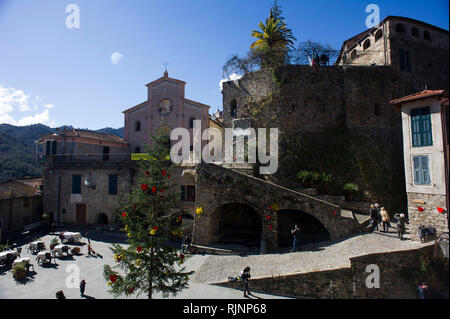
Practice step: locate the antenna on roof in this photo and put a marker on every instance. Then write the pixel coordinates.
(426, 87)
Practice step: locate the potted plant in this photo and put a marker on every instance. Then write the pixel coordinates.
(19, 271)
(54, 243)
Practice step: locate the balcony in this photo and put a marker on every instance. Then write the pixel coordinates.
(86, 159)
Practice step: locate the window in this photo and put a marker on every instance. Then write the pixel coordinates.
(106, 153)
(191, 122)
(421, 171)
(137, 126)
(421, 127)
(50, 148)
(366, 44)
(353, 55)
(378, 35)
(426, 35)
(76, 184)
(405, 60)
(400, 28)
(415, 32)
(53, 148)
(187, 193)
(137, 149)
(112, 188)
(233, 108)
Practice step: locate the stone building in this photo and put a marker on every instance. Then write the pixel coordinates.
(425, 149)
(86, 173)
(402, 43)
(20, 205)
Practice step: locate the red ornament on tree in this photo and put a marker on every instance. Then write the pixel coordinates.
(268, 217)
(168, 175)
(334, 212)
(130, 290)
(147, 173)
(124, 215)
(154, 189)
(164, 172)
(440, 210)
(139, 249)
(270, 226)
(144, 187)
(113, 278)
(162, 190)
(420, 209)
(181, 256)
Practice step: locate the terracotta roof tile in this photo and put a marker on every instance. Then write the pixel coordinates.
(86, 134)
(419, 95)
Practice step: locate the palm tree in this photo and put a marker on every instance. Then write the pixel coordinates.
(274, 35)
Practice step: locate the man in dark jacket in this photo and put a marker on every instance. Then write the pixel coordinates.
(82, 287)
(374, 216)
(245, 276)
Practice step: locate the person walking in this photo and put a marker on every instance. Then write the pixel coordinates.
(245, 276)
(294, 233)
(401, 220)
(82, 287)
(374, 217)
(386, 219)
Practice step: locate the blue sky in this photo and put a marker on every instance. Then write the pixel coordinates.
(56, 75)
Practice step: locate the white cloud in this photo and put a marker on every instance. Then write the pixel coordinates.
(232, 77)
(116, 57)
(14, 100)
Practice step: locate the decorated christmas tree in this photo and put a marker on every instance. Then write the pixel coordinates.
(149, 264)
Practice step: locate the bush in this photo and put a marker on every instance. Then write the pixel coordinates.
(19, 271)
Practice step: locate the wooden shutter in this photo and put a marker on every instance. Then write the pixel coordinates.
(421, 170)
(421, 127)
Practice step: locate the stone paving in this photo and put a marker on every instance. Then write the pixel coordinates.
(312, 257)
(45, 281)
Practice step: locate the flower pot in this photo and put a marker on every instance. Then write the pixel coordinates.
(19, 274)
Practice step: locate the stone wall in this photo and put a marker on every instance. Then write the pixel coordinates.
(400, 274)
(429, 216)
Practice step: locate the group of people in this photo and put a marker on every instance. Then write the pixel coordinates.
(380, 215)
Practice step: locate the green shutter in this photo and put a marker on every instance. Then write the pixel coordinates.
(421, 170)
(421, 127)
(183, 193)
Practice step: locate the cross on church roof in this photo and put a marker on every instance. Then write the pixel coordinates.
(165, 71)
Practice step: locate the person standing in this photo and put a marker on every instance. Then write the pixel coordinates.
(294, 233)
(186, 244)
(245, 276)
(386, 219)
(400, 225)
(423, 289)
(82, 287)
(374, 216)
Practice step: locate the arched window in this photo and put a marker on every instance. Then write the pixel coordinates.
(400, 28)
(137, 126)
(366, 44)
(378, 35)
(415, 32)
(353, 55)
(191, 122)
(233, 108)
(426, 35)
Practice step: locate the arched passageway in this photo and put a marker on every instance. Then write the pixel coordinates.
(237, 224)
(311, 229)
(102, 219)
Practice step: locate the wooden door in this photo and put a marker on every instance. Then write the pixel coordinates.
(80, 214)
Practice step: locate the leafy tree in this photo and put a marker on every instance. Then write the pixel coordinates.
(149, 264)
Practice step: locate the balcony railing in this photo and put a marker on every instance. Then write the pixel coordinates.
(72, 158)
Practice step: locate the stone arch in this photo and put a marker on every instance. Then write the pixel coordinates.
(311, 228)
(237, 224)
(102, 219)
